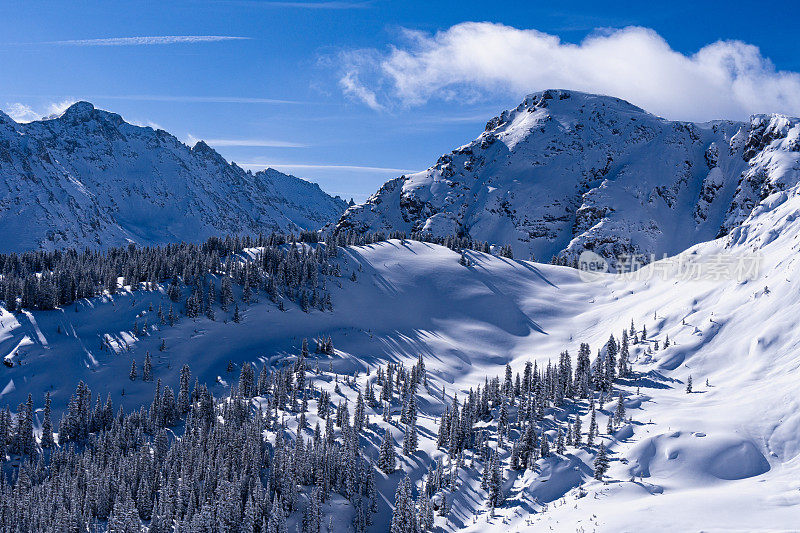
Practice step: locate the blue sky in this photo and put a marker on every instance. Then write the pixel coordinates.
(350, 93)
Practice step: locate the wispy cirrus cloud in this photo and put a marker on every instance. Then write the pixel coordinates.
(476, 61)
(174, 98)
(334, 4)
(148, 40)
(269, 143)
(199, 99)
(307, 166)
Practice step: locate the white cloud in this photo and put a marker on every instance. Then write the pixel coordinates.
(477, 60)
(191, 139)
(57, 108)
(24, 113)
(21, 112)
(148, 40)
(351, 85)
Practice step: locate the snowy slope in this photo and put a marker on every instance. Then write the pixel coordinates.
(88, 178)
(567, 171)
(725, 457)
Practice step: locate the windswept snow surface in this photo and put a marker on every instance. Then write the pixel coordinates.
(726, 457)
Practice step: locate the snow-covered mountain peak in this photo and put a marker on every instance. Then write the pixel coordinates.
(567, 171)
(89, 178)
(79, 111)
(562, 105)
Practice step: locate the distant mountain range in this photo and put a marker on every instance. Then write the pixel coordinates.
(567, 171)
(88, 178)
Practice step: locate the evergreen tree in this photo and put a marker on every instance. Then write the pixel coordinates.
(624, 356)
(184, 399)
(544, 449)
(247, 381)
(600, 463)
(689, 385)
(403, 516)
(424, 512)
(387, 458)
(560, 441)
(619, 413)
(132, 375)
(410, 439)
(263, 381)
(610, 363)
(494, 490)
(24, 440)
(576, 431)
(147, 369)
(47, 425)
(359, 416)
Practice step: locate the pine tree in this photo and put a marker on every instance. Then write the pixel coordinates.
(619, 413)
(494, 489)
(5, 428)
(610, 363)
(247, 381)
(689, 385)
(184, 398)
(263, 381)
(424, 512)
(24, 440)
(624, 356)
(47, 425)
(237, 317)
(277, 517)
(359, 416)
(387, 458)
(403, 516)
(147, 369)
(410, 439)
(132, 375)
(560, 441)
(592, 427)
(576, 431)
(544, 449)
(600, 463)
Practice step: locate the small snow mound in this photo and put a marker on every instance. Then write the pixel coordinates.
(739, 461)
(684, 458)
